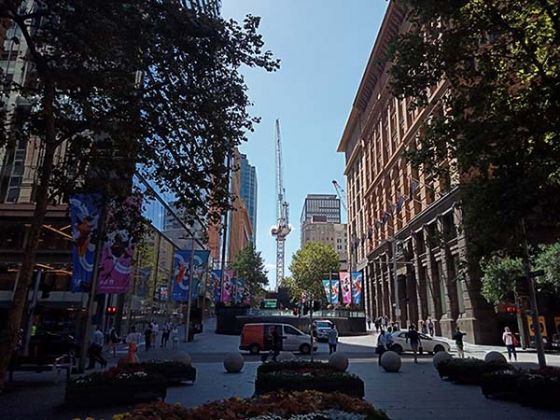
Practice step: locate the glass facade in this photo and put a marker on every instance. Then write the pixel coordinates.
(249, 191)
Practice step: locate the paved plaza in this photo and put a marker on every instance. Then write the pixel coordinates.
(416, 392)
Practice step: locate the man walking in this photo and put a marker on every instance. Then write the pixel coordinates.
(332, 336)
(414, 338)
(96, 348)
(458, 337)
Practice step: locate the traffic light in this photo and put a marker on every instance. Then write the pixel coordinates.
(111, 310)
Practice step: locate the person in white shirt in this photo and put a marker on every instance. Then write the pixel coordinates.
(509, 340)
(96, 348)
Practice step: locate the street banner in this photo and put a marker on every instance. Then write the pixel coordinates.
(216, 277)
(357, 286)
(542, 325)
(335, 291)
(85, 213)
(227, 286)
(241, 292)
(327, 287)
(346, 284)
(142, 286)
(181, 273)
(118, 247)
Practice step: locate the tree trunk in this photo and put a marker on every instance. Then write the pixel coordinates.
(9, 339)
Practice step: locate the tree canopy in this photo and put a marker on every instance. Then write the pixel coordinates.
(114, 87)
(310, 265)
(249, 266)
(498, 125)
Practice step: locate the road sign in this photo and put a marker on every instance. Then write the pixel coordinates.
(536, 273)
(270, 303)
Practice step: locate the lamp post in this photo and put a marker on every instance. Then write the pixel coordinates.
(190, 292)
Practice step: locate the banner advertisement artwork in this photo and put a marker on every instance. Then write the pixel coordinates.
(216, 277)
(357, 285)
(181, 272)
(346, 284)
(227, 286)
(335, 291)
(118, 248)
(143, 276)
(331, 291)
(327, 287)
(85, 212)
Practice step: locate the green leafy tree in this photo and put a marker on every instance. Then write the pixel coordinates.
(249, 266)
(310, 265)
(499, 125)
(548, 259)
(117, 86)
(499, 277)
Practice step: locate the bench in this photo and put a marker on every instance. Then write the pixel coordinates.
(42, 364)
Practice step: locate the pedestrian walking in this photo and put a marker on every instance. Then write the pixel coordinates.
(414, 338)
(423, 327)
(381, 345)
(389, 340)
(132, 339)
(95, 350)
(155, 332)
(148, 337)
(458, 337)
(332, 336)
(377, 324)
(368, 322)
(165, 335)
(175, 337)
(431, 327)
(114, 340)
(510, 341)
(276, 342)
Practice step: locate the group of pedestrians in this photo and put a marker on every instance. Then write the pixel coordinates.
(169, 330)
(385, 342)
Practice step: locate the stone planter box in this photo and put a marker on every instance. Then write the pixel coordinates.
(304, 376)
(114, 394)
(175, 374)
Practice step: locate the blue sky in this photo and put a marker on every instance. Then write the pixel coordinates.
(324, 46)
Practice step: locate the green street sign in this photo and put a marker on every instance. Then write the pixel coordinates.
(270, 303)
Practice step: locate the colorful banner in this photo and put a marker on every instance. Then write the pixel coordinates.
(357, 285)
(346, 284)
(85, 212)
(327, 287)
(331, 291)
(216, 277)
(142, 286)
(227, 286)
(181, 272)
(118, 248)
(335, 291)
(241, 292)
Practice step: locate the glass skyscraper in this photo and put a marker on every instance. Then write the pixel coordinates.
(249, 191)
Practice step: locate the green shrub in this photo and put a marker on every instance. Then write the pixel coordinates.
(470, 370)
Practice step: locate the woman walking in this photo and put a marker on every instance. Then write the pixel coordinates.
(510, 341)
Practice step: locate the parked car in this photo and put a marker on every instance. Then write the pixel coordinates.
(427, 344)
(321, 329)
(258, 337)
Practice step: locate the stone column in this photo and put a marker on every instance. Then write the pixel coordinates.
(448, 277)
(422, 298)
(479, 319)
(387, 309)
(379, 280)
(433, 282)
(411, 292)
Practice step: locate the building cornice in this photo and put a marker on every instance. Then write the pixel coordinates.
(375, 67)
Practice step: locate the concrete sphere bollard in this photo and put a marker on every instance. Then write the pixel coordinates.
(391, 361)
(182, 357)
(233, 362)
(339, 361)
(441, 357)
(495, 357)
(285, 356)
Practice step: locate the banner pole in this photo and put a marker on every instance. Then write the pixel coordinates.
(189, 294)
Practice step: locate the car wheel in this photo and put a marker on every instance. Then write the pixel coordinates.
(305, 349)
(397, 348)
(438, 348)
(254, 349)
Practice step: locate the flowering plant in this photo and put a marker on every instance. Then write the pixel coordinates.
(115, 376)
(305, 405)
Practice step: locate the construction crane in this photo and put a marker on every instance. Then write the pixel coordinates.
(282, 229)
(340, 193)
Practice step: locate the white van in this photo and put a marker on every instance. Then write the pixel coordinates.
(258, 337)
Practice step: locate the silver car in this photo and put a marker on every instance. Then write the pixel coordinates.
(322, 328)
(428, 344)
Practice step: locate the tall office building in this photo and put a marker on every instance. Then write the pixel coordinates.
(249, 191)
(211, 7)
(334, 234)
(321, 208)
